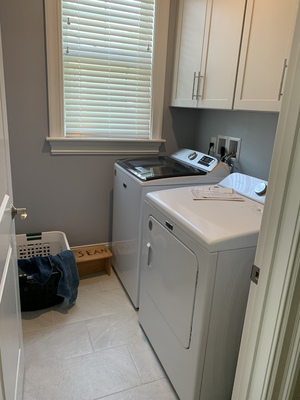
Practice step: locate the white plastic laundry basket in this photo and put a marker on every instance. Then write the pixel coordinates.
(32, 295)
(41, 244)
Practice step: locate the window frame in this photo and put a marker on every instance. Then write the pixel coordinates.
(59, 143)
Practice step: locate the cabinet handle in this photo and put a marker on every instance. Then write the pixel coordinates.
(200, 77)
(282, 79)
(197, 95)
(193, 90)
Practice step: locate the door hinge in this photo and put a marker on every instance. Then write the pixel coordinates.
(255, 274)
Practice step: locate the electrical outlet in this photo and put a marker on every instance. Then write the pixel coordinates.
(214, 141)
(234, 146)
(221, 142)
(231, 144)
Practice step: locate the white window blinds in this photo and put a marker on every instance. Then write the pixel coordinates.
(107, 68)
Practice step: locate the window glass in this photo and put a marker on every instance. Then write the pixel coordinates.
(106, 67)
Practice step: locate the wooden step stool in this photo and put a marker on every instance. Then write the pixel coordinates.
(92, 259)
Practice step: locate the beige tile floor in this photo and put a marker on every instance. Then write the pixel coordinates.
(95, 350)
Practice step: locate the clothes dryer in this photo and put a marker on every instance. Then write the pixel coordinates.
(198, 251)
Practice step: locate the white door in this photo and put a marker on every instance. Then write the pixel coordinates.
(270, 355)
(11, 345)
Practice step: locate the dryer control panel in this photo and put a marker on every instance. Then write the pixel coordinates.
(196, 159)
(248, 186)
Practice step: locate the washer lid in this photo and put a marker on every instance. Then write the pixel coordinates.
(150, 168)
(216, 224)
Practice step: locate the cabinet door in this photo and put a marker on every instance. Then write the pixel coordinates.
(221, 54)
(265, 49)
(208, 43)
(189, 43)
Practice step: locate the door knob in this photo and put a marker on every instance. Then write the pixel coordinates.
(18, 211)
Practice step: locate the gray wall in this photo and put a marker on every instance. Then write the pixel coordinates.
(256, 129)
(74, 193)
(68, 193)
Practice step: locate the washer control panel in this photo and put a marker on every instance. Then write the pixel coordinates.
(196, 159)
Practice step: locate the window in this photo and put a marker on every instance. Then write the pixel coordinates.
(106, 65)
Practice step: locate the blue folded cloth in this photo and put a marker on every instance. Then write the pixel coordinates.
(69, 281)
(41, 268)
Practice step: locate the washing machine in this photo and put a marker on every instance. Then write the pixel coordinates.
(133, 179)
(197, 255)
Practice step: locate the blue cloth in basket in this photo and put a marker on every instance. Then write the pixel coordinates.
(41, 268)
(69, 281)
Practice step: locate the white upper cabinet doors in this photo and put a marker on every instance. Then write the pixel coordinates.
(189, 45)
(232, 54)
(207, 50)
(264, 54)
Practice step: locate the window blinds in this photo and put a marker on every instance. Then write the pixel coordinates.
(107, 67)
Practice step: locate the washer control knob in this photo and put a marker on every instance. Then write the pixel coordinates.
(260, 189)
(192, 156)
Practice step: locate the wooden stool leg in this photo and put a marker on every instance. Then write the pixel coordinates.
(107, 267)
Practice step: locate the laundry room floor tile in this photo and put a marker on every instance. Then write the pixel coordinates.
(96, 350)
(158, 390)
(81, 378)
(114, 329)
(61, 342)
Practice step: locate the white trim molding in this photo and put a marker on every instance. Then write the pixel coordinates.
(62, 145)
(59, 142)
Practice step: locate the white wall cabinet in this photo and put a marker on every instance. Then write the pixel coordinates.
(231, 57)
(264, 54)
(207, 51)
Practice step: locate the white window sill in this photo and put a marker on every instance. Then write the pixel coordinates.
(77, 146)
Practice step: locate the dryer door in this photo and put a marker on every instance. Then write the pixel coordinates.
(171, 279)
